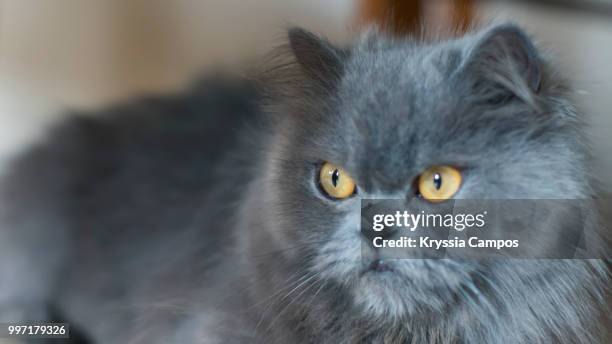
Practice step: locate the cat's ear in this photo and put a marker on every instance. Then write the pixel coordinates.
(318, 58)
(503, 62)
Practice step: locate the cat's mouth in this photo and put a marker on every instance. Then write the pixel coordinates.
(378, 266)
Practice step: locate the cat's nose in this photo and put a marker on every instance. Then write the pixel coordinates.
(368, 208)
(385, 233)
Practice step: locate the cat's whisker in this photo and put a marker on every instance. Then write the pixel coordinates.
(304, 290)
(303, 279)
(294, 280)
(314, 296)
(476, 298)
(313, 275)
(304, 244)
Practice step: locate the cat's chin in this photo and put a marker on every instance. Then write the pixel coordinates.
(405, 287)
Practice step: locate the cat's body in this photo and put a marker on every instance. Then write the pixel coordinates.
(143, 198)
(197, 219)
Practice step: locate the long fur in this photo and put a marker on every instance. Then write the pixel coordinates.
(197, 218)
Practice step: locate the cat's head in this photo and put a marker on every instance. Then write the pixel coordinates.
(382, 112)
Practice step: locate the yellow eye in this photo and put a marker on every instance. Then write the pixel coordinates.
(335, 181)
(439, 183)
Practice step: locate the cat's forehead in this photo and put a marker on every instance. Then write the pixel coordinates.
(390, 78)
(403, 61)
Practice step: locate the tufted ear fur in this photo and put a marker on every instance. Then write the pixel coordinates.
(318, 58)
(504, 63)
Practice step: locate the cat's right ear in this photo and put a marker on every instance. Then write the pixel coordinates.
(504, 62)
(317, 57)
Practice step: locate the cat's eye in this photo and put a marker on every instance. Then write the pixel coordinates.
(335, 182)
(439, 183)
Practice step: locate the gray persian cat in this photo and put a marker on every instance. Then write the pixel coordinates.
(202, 218)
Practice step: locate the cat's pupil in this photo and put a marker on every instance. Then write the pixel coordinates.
(437, 179)
(335, 177)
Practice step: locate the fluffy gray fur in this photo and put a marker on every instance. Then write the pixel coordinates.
(198, 219)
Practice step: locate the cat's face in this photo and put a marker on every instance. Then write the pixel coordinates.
(388, 111)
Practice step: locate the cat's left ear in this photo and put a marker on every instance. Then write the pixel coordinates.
(317, 57)
(503, 60)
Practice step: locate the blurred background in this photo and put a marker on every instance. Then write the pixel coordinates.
(84, 54)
